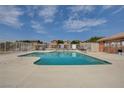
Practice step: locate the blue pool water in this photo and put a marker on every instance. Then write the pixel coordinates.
(65, 58)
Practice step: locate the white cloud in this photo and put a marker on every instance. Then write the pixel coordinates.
(111, 6)
(74, 16)
(32, 10)
(83, 8)
(9, 15)
(82, 25)
(48, 13)
(38, 27)
(78, 30)
(119, 10)
(78, 10)
(107, 6)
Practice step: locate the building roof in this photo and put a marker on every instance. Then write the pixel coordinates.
(114, 37)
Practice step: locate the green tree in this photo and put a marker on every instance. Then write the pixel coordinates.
(60, 42)
(75, 42)
(93, 39)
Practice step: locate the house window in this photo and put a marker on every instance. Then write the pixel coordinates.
(122, 43)
(113, 44)
(118, 44)
(106, 44)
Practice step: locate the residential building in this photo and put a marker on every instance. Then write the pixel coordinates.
(89, 46)
(112, 44)
(53, 44)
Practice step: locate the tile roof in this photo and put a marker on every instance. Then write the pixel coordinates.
(114, 37)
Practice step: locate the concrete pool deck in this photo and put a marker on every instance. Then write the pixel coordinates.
(21, 72)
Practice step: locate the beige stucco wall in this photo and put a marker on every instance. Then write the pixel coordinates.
(93, 47)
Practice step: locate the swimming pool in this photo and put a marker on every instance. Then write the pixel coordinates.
(65, 58)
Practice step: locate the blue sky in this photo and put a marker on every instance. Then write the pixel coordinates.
(59, 22)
